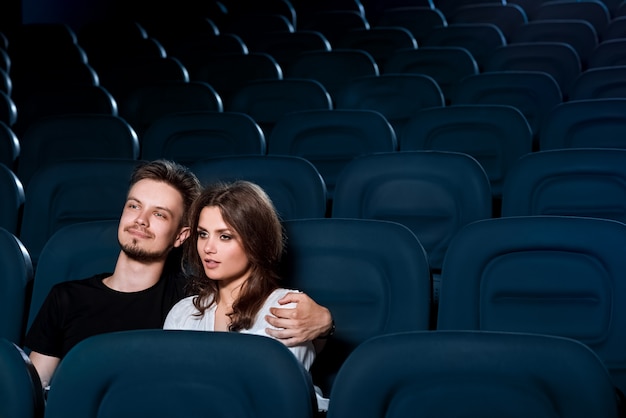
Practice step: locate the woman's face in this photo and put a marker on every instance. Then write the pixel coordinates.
(220, 248)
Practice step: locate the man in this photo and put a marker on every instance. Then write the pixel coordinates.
(146, 281)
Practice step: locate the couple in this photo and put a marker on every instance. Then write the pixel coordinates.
(230, 262)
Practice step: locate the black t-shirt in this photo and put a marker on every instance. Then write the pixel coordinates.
(77, 309)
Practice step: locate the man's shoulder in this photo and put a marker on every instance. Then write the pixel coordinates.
(87, 282)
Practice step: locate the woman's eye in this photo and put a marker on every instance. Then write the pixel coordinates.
(225, 237)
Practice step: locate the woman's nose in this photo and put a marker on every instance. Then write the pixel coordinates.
(209, 246)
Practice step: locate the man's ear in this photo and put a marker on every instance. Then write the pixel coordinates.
(182, 236)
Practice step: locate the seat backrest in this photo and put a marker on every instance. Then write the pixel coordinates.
(396, 96)
(21, 395)
(433, 193)
(534, 93)
(75, 136)
(194, 51)
(43, 50)
(577, 33)
(62, 259)
(15, 282)
(573, 182)
(447, 374)
(278, 7)
(227, 73)
(5, 60)
(334, 23)
(540, 274)
(63, 100)
(73, 191)
(191, 136)
(331, 138)
(616, 28)
(40, 38)
(285, 46)
(151, 372)
(42, 35)
(12, 202)
(6, 84)
(308, 7)
(266, 101)
(388, 284)
(600, 83)
(507, 17)
(420, 20)
(496, 135)
(592, 123)
(608, 53)
(334, 68)
(8, 110)
(126, 75)
(248, 25)
(110, 30)
(390, 4)
(171, 26)
(448, 7)
(295, 186)
(558, 59)
(9, 146)
(109, 33)
(447, 65)
(380, 42)
(480, 39)
(594, 11)
(148, 102)
(58, 72)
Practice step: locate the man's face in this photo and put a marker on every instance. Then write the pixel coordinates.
(150, 223)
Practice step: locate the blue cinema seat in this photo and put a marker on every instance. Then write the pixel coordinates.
(72, 191)
(451, 374)
(293, 183)
(573, 182)
(554, 275)
(15, 284)
(21, 395)
(433, 193)
(371, 289)
(165, 373)
(331, 138)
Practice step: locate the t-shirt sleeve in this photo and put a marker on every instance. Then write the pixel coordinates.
(45, 335)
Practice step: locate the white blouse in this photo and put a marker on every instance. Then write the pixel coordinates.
(182, 316)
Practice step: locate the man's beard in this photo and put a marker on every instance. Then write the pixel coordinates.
(138, 254)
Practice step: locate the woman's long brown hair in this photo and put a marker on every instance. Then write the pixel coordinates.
(248, 210)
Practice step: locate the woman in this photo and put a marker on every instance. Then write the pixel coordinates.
(233, 267)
